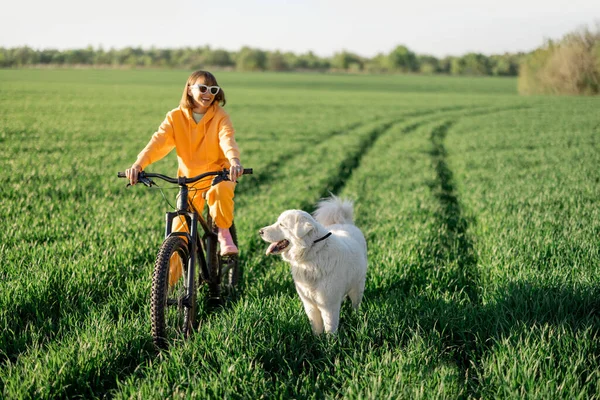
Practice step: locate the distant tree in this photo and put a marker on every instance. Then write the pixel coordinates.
(249, 59)
(217, 58)
(475, 64)
(470, 64)
(129, 55)
(4, 62)
(290, 59)
(276, 62)
(404, 60)
(505, 65)
(59, 58)
(344, 60)
(456, 65)
(377, 64)
(80, 56)
(182, 57)
(428, 64)
(311, 61)
(22, 56)
(445, 64)
(46, 56)
(102, 57)
(163, 57)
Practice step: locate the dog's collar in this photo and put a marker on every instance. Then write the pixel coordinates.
(323, 238)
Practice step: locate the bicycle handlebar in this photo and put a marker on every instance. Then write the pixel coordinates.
(183, 179)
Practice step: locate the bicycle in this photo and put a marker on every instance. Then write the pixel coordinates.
(173, 307)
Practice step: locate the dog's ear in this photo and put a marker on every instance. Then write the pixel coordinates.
(302, 227)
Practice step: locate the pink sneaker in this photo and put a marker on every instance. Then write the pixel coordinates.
(226, 242)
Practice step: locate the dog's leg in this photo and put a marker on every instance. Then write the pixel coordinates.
(314, 315)
(356, 294)
(331, 317)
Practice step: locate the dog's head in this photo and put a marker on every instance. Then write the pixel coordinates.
(291, 233)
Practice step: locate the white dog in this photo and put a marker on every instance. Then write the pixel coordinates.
(328, 254)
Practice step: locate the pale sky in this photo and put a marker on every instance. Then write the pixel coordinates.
(366, 27)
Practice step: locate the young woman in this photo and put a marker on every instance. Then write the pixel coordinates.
(201, 133)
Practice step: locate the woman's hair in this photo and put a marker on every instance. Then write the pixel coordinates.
(187, 101)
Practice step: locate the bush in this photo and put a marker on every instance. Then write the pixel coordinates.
(571, 66)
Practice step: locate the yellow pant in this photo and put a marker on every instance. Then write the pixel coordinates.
(220, 206)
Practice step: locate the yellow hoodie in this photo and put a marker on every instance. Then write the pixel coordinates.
(205, 146)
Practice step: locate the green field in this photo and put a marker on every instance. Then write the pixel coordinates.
(480, 209)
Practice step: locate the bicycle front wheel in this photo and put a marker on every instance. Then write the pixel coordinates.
(172, 309)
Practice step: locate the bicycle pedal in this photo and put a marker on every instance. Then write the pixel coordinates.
(229, 258)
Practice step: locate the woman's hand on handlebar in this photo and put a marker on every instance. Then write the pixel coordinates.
(236, 169)
(133, 173)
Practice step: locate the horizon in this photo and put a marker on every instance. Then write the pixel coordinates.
(436, 28)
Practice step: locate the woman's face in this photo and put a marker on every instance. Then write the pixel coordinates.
(202, 100)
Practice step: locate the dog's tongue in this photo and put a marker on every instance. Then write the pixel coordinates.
(278, 247)
(272, 248)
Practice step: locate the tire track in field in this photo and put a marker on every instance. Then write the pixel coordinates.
(451, 242)
(337, 181)
(348, 165)
(449, 260)
(451, 246)
(266, 174)
(450, 256)
(452, 251)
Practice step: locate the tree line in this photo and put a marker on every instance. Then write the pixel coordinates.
(400, 59)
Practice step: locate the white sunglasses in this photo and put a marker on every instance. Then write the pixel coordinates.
(203, 88)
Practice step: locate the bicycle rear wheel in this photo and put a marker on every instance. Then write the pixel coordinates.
(172, 311)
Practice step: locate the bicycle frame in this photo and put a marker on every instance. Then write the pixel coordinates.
(192, 219)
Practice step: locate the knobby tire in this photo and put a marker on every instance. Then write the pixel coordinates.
(170, 318)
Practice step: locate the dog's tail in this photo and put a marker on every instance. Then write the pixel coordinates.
(334, 211)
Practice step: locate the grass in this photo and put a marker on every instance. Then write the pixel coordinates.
(479, 207)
